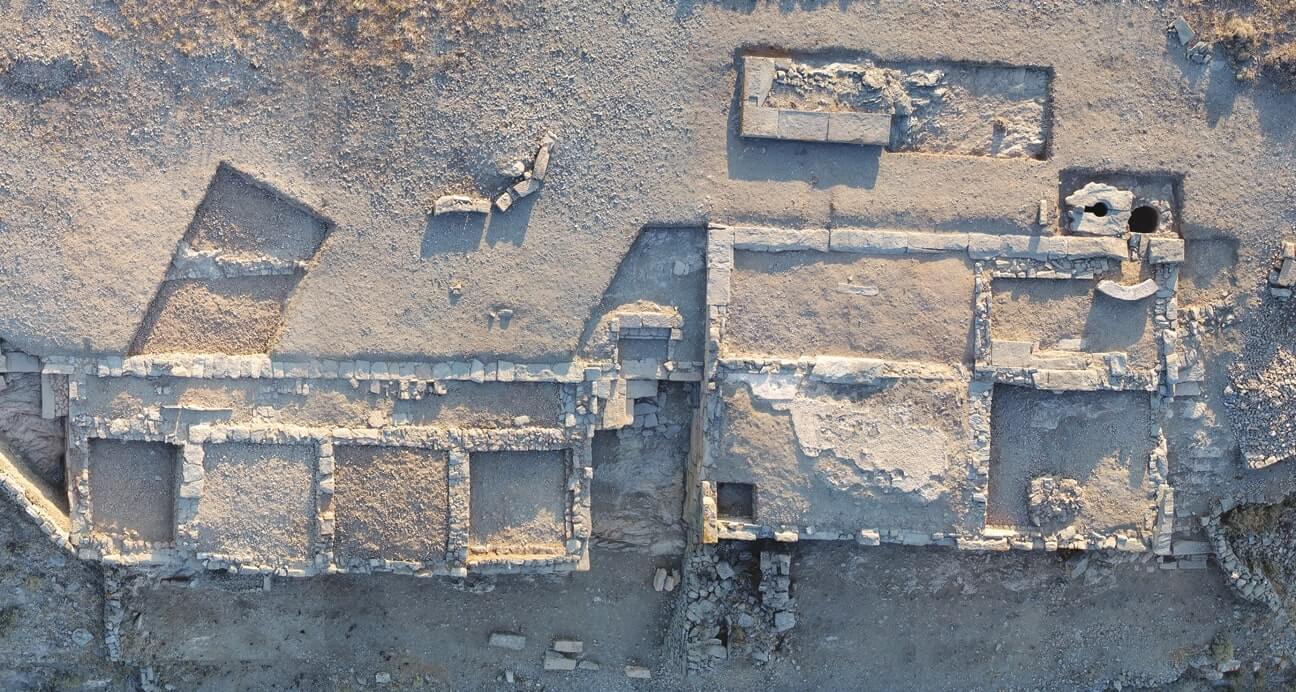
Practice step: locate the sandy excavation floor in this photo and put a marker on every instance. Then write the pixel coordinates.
(711, 406)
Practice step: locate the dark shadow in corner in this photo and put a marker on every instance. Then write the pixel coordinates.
(511, 227)
(1221, 91)
(452, 233)
(687, 8)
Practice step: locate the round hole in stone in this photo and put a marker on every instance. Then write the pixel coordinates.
(1099, 209)
(1144, 219)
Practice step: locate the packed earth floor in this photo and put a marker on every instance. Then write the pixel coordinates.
(685, 345)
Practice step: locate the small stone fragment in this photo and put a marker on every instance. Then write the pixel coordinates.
(569, 646)
(524, 188)
(1183, 31)
(541, 166)
(81, 637)
(1286, 274)
(586, 664)
(554, 660)
(638, 672)
(504, 201)
(784, 621)
(504, 640)
(659, 579)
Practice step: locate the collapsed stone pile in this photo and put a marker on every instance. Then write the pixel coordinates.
(1053, 501)
(737, 604)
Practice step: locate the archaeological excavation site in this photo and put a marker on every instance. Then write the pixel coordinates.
(680, 345)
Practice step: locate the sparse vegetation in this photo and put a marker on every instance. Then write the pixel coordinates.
(360, 32)
(1221, 647)
(8, 620)
(1258, 36)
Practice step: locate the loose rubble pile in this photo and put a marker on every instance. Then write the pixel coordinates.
(1053, 501)
(529, 176)
(737, 604)
(1196, 51)
(857, 87)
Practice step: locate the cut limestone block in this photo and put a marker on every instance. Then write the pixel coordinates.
(505, 640)
(554, 660)
(460, 204)
(1138, 291)
(569, 646)
(803, 126)
(1165, 251)
(860, 128)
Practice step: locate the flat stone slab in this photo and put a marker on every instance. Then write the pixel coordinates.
(816, 126)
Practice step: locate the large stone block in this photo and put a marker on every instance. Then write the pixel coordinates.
(860, 128)
(803, 126)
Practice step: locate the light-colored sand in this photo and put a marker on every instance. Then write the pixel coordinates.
(232, 316)
(1098, 438)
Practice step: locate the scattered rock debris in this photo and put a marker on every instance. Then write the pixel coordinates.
(532, 175)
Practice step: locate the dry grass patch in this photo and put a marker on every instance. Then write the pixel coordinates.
(361, 32)
(1259, 36)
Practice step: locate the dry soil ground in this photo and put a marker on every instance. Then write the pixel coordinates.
(114, 117)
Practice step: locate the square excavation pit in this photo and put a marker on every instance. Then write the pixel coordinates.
(1099, 439)
(390, 503)
(736, 501)
(1065, 314)
(793, 303)
(133, 489)
(844, 458)
(519, 502)
(257, 504)
(233, 316)
(241, 217)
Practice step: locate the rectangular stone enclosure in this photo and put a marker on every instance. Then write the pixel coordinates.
(894, 308)
(258, 503)
(519, 502)
(844, 458)
(133, 489)
(1072, 315)
(1099, 439)
(391, 503)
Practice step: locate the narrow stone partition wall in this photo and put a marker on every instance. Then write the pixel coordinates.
(944, 107)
